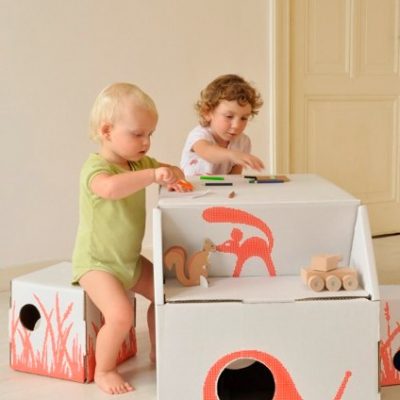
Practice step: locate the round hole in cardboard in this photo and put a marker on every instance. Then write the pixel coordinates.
(29, 316)
(396, 360)
(246, 379)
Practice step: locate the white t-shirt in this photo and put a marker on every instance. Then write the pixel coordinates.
(192, 164)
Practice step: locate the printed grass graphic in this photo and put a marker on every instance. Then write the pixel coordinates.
(59, 355)
(53, 357)
(389, 374)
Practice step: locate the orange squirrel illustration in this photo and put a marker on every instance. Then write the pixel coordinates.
(251, 247)
(197, 265)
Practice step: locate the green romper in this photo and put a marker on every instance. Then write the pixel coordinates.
(110, 232)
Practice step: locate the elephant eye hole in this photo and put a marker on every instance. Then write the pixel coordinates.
(396, 360)
(246, 379)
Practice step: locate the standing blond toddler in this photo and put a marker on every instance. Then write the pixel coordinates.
(106, 261)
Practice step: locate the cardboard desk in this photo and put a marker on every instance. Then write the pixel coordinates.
(256, 309)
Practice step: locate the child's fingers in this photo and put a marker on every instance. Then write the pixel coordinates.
(258, 165)
(178, 173)
(252, 162)
(176, 187)
(165, 175)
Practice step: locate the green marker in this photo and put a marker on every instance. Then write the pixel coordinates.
(212, 178)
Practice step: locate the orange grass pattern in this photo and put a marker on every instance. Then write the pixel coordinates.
(389, 374)
(58, 355)
(52, 357)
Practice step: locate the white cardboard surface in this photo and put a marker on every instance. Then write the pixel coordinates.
(329, 332)
(62, 342)
(317, 342)
(307, 215)
(302, 188)
(158, 257)
(362, 254)
(390, 334)
(281, 289)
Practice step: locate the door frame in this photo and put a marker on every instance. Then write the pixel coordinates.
(279, 91)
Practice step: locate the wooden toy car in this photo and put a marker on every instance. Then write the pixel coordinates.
(325, 273)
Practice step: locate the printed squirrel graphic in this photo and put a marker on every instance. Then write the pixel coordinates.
(243, 249)
(197, 264)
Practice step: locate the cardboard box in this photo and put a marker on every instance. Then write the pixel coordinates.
(390, 335)
(256, 321)
(53, 326)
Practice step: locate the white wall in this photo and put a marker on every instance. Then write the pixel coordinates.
(57, 55)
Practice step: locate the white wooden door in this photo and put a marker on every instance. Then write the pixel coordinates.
(344, 99)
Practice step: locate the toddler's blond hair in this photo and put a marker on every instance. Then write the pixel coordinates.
(108, 102)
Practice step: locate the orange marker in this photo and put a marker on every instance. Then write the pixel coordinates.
(185, 184)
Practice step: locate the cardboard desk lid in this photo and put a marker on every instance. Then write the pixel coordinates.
(58, 275)
(280, 289)
(301, 188)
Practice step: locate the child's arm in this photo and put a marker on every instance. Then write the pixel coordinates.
(216, 154)
(177, 171)
(114, 187)
(236, 170)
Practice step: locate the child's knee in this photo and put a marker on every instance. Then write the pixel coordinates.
(122, 318)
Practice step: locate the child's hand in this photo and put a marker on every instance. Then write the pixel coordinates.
(165, 176)
(247, 160)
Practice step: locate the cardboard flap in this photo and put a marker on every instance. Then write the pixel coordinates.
(265, 229)
(362, 254)
(281, 289)
(158, 257)
(302, 189)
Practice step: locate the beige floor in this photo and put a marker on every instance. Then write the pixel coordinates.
(18, 386)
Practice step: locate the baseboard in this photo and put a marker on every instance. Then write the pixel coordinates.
(9, 273)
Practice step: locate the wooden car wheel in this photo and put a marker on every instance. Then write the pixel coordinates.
(350, 282)
(333, 283)
(316, 283)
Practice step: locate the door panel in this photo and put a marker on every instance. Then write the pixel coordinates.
(344, 100)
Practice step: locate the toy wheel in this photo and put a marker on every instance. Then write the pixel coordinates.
(316, 283)
(333, 283)
(350, 282)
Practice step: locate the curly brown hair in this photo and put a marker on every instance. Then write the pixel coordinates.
(227, 87)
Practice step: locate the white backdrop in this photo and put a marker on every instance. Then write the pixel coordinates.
(56, 56)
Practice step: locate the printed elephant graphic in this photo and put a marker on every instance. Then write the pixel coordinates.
(285, 388)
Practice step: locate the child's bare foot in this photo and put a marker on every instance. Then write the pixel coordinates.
(112, 382)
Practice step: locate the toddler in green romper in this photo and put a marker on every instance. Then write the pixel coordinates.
(110, 232)
(106, 259)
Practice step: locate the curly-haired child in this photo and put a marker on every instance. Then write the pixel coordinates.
(218, 145)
